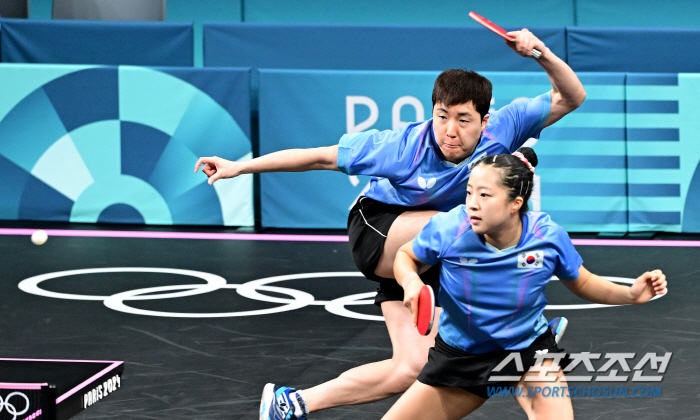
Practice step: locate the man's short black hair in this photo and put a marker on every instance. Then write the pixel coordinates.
(457, 86)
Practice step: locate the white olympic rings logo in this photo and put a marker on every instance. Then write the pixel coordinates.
(298, 299)
(11, 409)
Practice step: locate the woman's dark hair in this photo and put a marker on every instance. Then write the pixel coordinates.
(516, 175)
(455, 86)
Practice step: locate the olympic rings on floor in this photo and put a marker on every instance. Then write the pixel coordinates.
(299, 299)
(251, 290)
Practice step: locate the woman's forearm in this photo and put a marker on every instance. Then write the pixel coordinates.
(596, 289)
(406, 266)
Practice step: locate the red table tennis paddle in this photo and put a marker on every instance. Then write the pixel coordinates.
(426, 310)
(500, 31)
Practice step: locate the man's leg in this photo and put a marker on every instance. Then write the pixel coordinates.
(403, 230)
(379, 380)
(423, 401)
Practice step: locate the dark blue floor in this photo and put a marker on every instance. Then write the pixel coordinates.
(215, 368)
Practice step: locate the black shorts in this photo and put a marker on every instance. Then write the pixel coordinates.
(448, 366)
(368, 224)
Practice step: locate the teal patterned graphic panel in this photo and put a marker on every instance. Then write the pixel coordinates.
(582, 166)
(118, 144)
(663, 129)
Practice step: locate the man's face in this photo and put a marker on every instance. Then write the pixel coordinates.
(457, 130)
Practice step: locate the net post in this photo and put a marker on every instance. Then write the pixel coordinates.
(48, 402)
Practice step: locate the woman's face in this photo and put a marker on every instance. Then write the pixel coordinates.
(488, 205)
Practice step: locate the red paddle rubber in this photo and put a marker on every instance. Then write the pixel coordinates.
(500, 31)
(426, 310)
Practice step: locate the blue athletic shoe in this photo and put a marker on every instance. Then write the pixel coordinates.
(558, 326)
(276, 403)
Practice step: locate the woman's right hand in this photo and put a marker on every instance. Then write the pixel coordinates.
(216, 168)
(411, 292)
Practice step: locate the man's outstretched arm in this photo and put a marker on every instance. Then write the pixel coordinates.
(291, 160)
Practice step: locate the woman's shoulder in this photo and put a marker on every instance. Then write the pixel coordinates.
(455, 217)
(453, 223)
(541, 225)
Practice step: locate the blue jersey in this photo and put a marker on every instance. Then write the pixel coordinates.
(407, 165)
(493, 300)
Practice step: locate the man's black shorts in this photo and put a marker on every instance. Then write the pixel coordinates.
(368, 224)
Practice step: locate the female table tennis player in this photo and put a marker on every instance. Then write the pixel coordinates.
(496, 260)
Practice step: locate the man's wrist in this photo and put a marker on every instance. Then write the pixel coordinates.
(545, 56)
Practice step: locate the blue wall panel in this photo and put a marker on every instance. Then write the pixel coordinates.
(645, 50)
(86, 42)
(200, 12)
(638, 13)
(410, 12)
(308, 109)
(326, 47)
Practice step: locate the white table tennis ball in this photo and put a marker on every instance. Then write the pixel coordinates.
(39, 237)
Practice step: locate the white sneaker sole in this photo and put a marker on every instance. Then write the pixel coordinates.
(268, 396)
(562, 328)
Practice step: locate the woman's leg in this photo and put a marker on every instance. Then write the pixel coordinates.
(552, 400)
(423, 401)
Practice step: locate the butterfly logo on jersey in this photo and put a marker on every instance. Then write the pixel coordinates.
(532, 259)
(426, 184)
(467, 261)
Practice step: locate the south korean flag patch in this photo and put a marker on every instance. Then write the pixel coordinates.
(532, 259)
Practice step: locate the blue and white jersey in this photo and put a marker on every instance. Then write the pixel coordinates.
(493, 300)
(408, 168)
